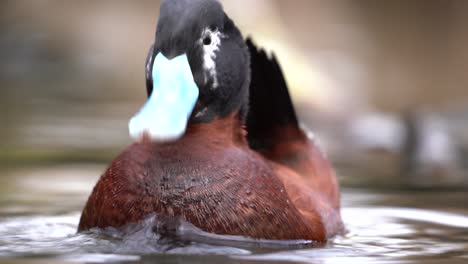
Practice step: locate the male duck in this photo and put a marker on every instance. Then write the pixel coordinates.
(209, 155)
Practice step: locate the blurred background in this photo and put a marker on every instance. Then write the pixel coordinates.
(382, 84)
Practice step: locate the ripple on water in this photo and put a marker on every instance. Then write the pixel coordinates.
(375, 235)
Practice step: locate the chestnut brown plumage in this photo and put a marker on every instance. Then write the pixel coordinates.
(212, 179)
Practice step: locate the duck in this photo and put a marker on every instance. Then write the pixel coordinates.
(218, 143)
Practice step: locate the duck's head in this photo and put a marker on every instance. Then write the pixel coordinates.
(197, 70)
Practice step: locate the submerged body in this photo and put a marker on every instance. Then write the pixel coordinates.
(242, 165)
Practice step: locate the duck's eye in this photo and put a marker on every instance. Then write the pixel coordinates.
(207, 40)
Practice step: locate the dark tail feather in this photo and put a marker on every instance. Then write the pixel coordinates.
(271, 107)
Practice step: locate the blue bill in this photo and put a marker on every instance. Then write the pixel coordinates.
(165, 115)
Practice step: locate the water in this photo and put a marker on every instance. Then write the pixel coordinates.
(40, 208)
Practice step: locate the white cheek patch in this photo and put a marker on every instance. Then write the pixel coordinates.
(209, 53)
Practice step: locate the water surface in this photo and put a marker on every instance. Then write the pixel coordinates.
(40, 208)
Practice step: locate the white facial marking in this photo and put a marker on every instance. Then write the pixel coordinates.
(201, 113)
(209, 53)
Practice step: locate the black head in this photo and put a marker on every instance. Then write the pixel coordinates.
(218, 57)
